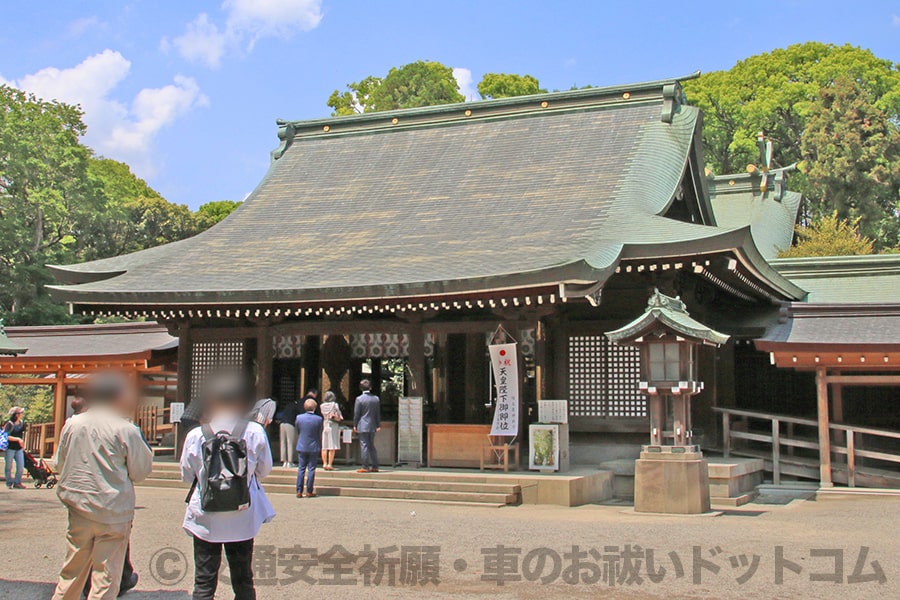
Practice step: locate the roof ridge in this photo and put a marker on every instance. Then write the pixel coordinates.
(667, 91)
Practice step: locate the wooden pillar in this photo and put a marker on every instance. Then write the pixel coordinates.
(540, 360)
(185, 354)
(417, 359)
(657, 419)
(824, 431)
(263, 361)
(837, 410)
(680, 419)
(59, 407)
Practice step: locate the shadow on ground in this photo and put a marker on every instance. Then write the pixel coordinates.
(31, 590)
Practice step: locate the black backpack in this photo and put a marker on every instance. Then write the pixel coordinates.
(225, 459)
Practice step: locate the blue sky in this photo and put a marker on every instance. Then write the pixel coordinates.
(188, 92)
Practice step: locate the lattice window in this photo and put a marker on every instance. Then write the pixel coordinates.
(603, 379)
(207, 357)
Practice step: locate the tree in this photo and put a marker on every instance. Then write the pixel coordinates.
(61, 204)
(422, 83)
(212, 212)
(851, 152)
(507, 85)
(46, 198)
(780, 92)
(356, 99)
(829, 236)
(775, 92)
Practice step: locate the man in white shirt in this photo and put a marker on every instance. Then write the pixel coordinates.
(99, 457)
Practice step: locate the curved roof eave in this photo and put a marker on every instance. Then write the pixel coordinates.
(577, 272)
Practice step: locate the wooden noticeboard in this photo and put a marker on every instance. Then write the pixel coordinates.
(409, 430)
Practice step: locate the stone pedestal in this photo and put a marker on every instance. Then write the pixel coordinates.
(671, 479)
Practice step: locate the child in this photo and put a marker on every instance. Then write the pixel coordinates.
(225, 404)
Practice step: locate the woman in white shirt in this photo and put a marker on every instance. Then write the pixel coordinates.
(225, 402)
(331, 425)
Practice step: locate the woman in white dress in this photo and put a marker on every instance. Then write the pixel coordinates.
(331, 426)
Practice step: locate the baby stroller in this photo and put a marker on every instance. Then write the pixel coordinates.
(40, 471)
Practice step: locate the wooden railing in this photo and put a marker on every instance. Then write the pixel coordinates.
(790, 443)
(40, 438)
(152, 420)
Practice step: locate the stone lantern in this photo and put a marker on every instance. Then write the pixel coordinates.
(670, 475)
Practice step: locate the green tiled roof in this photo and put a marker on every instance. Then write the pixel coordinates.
(666, 314)
(463, 198)
(871, 279)
(738, 200)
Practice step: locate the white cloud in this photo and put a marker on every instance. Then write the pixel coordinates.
(119, 129)
(895, 20)
(202, 42)
(246, 22)
(465, 82)
(79, 27)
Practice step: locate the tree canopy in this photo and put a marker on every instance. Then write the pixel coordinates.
(507, 85)
(829, 236)
(835, 110)
(59, 203)
(422, 83)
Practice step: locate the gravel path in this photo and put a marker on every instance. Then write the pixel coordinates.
(812, 534)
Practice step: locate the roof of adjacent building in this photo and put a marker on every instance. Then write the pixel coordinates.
(65, 342)
(666, 314)
(7, 346)
(845, 279)
(816, 326)
(458, 199)
(758, 199)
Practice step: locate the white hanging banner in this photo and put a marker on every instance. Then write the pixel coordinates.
(505, 365)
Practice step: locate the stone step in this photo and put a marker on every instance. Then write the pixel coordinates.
(374, 481)
(173, 470)
(447, 488)
(409, 494)
(431, 496)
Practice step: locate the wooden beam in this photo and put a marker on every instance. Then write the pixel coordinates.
(863, 379)
(824, 432)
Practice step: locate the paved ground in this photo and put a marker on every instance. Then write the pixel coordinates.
(815, 536)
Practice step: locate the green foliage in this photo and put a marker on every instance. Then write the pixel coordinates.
(356, 99)
(60, 204)
(212, 212)
(791, 95)
(422, 83)
(37, 400)
(829, 236)
(507, 85)
(45, 195)
(851, 152)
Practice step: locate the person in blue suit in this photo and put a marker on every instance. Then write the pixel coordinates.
(309, 445)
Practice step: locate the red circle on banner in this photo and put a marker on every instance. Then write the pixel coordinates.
(503, 353)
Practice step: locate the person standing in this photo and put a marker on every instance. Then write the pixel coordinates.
(225, 400)
(309, 444)
(100, 456)
(366, 423)
(331, 430)
(15, 453)
(288, 429)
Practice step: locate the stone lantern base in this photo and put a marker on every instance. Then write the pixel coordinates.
(671, 479)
